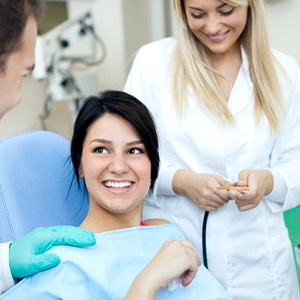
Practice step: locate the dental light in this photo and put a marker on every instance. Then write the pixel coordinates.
(70, 45)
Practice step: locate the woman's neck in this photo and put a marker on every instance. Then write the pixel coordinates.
(228, 67)
(98, 222)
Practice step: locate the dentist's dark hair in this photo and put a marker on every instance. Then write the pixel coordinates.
(14, 15)
(130, 109)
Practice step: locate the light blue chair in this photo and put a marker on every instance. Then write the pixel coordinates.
(37, 184)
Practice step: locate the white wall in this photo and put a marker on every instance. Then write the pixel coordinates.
(283, 17)
(125, 25)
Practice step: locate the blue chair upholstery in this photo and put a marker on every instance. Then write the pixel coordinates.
(37, 184)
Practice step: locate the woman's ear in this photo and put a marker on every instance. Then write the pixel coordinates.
(80, 172)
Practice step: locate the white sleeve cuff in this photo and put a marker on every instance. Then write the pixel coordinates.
(6, 280)
(276, 199)
(164, 184)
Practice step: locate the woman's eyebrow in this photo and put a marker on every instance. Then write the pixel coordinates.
(102, 141)
(200, 9)
(138, 142)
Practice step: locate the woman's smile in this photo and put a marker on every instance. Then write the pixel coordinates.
(115, 165)
(219, 37)
(118, 187)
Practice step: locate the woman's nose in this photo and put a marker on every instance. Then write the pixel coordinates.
(118, 165)
(212, 25)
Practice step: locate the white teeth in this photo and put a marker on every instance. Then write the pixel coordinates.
(117, 185)
(216, 37)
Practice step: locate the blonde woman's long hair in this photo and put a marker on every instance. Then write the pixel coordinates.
(193, 66)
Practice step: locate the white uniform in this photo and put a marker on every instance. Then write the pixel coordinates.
(248, 252)
(6, 281)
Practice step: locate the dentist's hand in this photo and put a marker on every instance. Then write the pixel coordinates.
(26, 255)
(201, 189)
(260, 183)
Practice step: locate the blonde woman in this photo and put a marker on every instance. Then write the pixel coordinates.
(227, 111)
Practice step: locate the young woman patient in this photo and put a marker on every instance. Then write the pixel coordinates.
(114, 151)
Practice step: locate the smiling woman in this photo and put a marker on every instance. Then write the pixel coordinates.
(217, 27)
(116, 169)
(226, 107)
(115, 149)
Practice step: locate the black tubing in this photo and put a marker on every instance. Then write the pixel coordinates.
(204, 239)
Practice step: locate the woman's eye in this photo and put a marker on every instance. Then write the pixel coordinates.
(100, 150)
(135, 151)
(197, 16)
(227, 12)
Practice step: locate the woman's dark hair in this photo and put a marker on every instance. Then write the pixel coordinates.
(13, 19)
(130, 109)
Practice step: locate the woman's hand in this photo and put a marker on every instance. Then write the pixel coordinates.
(174, 260)
(201, 189)
(259, 182)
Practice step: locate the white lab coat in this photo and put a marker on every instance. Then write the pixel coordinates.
(248, 252)
(6, 281)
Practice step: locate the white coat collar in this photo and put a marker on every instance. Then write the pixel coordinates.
(242, 92)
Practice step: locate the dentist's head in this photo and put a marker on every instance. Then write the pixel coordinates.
(18, 31)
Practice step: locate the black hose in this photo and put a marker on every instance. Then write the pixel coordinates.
(204, 239)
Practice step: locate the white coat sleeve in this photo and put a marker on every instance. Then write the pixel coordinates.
(6, 280)
(143, 82)
(285, 159)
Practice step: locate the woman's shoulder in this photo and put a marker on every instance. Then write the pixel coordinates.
(291, 69)
(154, 222)
(285, 60)
(153, 60)
(160, 44)
(159, 48)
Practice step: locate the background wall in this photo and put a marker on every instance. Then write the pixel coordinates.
(283, 18)
(124, 26)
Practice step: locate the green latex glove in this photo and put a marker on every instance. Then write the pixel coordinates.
(26, 255)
